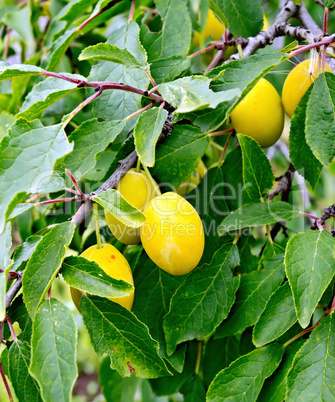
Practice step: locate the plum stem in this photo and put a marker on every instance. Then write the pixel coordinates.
(97, 226)
(6, 383)
(11, 329)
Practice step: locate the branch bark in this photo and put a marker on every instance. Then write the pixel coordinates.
(288, 11)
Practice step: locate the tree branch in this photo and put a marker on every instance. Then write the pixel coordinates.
(307, 21)
(288, 11)
(327, 213)
(103, 85)
(284, 184)
(12, 292)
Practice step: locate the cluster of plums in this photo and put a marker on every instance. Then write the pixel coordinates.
(173, 235)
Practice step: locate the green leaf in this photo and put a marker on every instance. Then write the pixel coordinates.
(107, 52)
(252, 296)
(275, 387)
(203, 14)
(301, 155)
(279, 316)
(116, 331)
(29, 154)
(219, 354)
(258, 176)
(110, 11)
(73, 9)
(114, 387)
(242, 74)
(17, 312)
(20, 209)
(234, 190)
(58, 49)
(244, 378)
(5, 261)
(45, 94)
(310, 266)
(147, 131)
(320, 125)
(26, 388)
(6, 120)
(8, 72)
(328, 3)
(312, 375)
(192, 93)
(89, 277)
(203, 300)
(118, 206)
(115, 104)
(19, 20)
(53, 357)
(154, 289)
(90, 139)
(44, 264)
(179, 155)
(24, 251)
(165, 70)
(194, 390)
(176, 24)
(249, 261)
(254, 215)
(245, 16)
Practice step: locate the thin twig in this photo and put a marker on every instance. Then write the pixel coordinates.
(109, 5)
(70, 190)
(132, 9)
(303, 332)
(223, 132)
(11, 328)
(308, 215)
(216, 60)
(223, 154)
(326, 41)
(6, 383)
(74, 181)
(325, 24)
(104, 85)
(34, 197)
(58, 200)
(81, 106)
(139, 111)
(214, 46)
(12, 292)
(327, 214)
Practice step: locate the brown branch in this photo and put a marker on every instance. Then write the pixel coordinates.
(284, 184)
(112, 182)
(288, 11)
(327, 213)
(284, 187)
(307, 21)
(12, 292)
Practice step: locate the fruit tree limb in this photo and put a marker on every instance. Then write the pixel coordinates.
(288, 11)
(104, 85)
